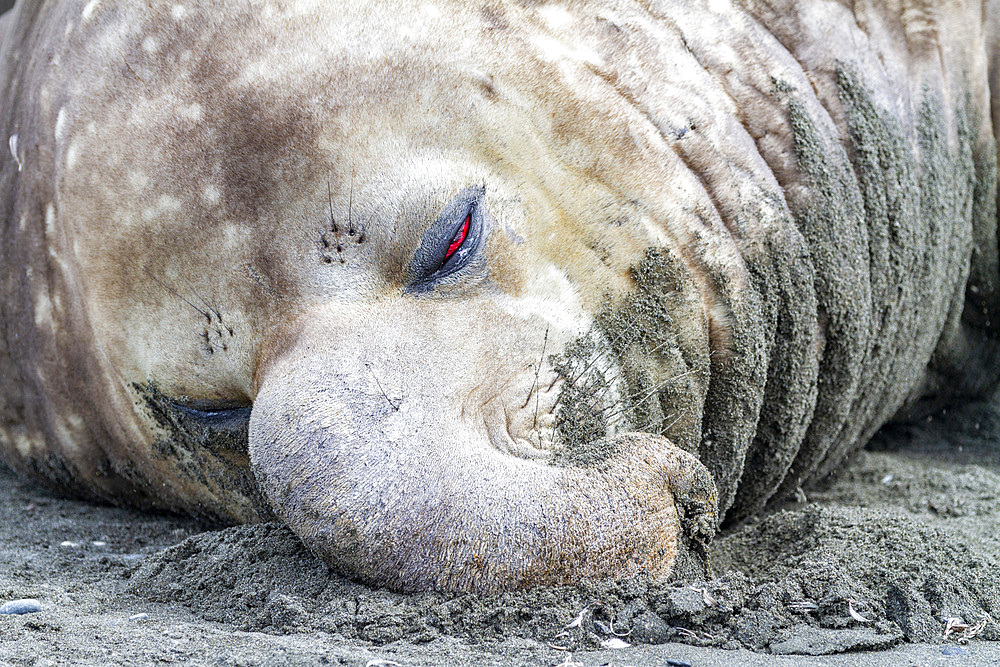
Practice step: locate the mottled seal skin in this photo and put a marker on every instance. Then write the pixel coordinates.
(484, 296)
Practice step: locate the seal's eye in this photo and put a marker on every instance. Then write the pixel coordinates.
(451, 243)
(459, 238)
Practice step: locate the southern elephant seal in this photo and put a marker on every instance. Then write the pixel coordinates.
(460, 291)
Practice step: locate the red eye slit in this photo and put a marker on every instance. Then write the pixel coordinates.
(459, 239)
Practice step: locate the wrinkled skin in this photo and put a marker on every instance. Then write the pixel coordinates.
(700, 255)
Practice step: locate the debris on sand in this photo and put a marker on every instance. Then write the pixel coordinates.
(26, 606)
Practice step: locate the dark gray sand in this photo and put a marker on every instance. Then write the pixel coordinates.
(895, 562)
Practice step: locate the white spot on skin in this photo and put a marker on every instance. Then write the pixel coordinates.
(431, 11)
(138, 179)
(168, 203)
(178, 12)
(233, 235)
(554, 50)
(165, 204)
(557, 17)
(68, 439)
(88, 11)
(12, 144)
(50, 221)
(721, 7)
(211, 195)
(149, 45)
(192, 112)
(23, 443)
(71, 154)
(43, 311)
(45, 306)
(60, 124)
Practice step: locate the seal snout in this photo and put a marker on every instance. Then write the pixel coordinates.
(392, 468)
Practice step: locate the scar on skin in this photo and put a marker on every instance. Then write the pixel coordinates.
(88, 11)
(12, 144)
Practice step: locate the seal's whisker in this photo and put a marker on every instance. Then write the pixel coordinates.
(607, 350)
(545, 342)
(362, 232)
(170, 289)
(666, 382)
(350, 207)
(538, 370)
(635, 402)
(329, 197)
(652, 391)
(395, 406)
(647, 427)
(607, 371)
(594, 400)
(604, 373)
(202, 299)
(630, 404)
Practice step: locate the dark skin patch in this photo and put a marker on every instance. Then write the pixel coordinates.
(263, 136)
(581, 422)
(213, 456)
(487, 87)
(493, 18)
(665, 367)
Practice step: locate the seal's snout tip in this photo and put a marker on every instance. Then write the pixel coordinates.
(417, 515)
(422, 498)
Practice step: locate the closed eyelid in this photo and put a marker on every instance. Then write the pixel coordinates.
(450, 241)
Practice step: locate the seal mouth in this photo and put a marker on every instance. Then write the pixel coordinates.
(216, 416)
(218, 425)
(575, 396)
(526, 430)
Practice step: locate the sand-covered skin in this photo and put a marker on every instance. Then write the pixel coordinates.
(903, 540)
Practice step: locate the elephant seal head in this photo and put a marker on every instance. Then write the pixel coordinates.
(375, 275)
